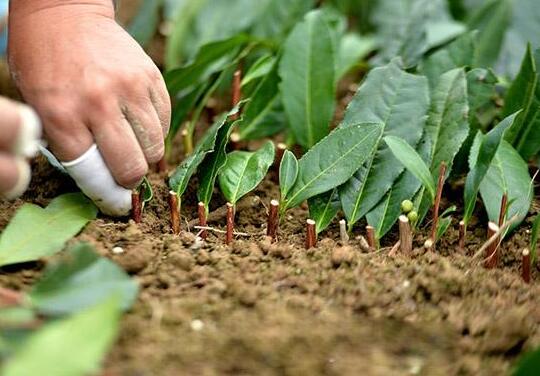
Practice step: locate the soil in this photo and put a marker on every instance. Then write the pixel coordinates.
(256, 308)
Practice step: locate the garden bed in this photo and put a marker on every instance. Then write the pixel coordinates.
(259, 308)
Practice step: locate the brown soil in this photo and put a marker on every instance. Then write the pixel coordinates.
(276, 309)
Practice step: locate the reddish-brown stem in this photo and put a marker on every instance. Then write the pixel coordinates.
(405, 235)
(280, 150)
(202, 220)
(311, 235)
(461, 235)
(174, 209)
(273, 220)
(162, 165)
(504, 208)
(370, 235)
(236, 91)
(440, 185)
(10, 297)
(136, 206)
(491, 256)
(230, 223)
(526, 265)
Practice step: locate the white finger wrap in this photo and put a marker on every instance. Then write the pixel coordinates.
(95, 180)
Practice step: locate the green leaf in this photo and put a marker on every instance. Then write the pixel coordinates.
(524, 94)
(147, 191)
(352, 49)
(492, 21)
(145, 24)
(332, 161)
(534, 239)
(324, 208)
(259, 118)
(446, 129)
(412, 162)
(260, 68)
(458, 54)
(399, 101)
(445, 220)
(528, 364)
(79, 280)
(244, 171)
(181, 176)
(480, 163)
(213, 164)
(288, 173)
(307, 73)
(35, 232)
(71, 347)
(387, 212)
(507, 174)
(212, 57)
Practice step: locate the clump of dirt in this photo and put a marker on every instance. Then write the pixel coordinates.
(257, 307)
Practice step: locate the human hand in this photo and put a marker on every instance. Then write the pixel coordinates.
(91, 83)
(20, 131)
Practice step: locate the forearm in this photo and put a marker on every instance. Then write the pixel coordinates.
(21, 8)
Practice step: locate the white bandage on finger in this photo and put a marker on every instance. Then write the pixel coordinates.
(22, 183)
(28, 140)
(95, 180)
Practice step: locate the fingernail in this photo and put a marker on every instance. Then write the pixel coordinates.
(23, 181)
(28, 141)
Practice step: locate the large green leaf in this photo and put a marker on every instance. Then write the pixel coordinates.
(288, 173)
(332, 161)
(528, 365)
(446, 129)
(324, 208)
(524, 94)
(480, 163)
(181, 176)
(352, 49)
(81, 279)
(412, 162)
(35, 232)
(307, 72)
(458, 54)
(262, 117)
(212, 57)
(409, 28)
(507, 174)
(213, 164)
(276, 18)
(492, 21)
(244, 171)
(399, 101)
(71, 347)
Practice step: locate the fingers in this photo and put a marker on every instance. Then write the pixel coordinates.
(145, 123)
(20, 129)
(15, 176)
(161, 100)
(118, 145)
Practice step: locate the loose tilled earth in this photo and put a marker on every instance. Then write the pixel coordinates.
(276, 309)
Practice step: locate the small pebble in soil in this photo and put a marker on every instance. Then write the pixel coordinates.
(118, 250)
(197, 325)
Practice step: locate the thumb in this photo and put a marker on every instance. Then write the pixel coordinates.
(95, 180)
